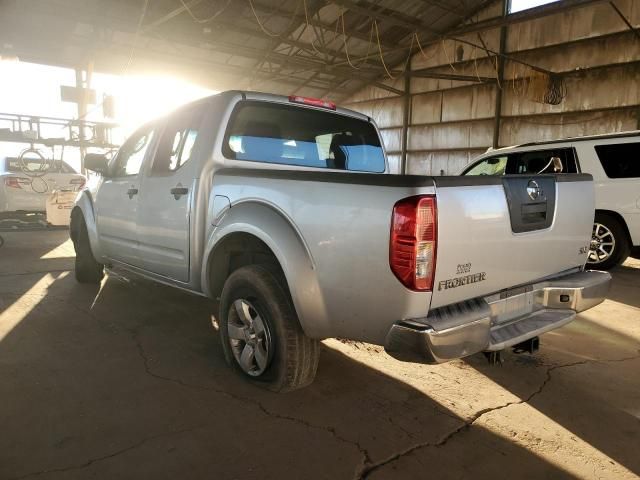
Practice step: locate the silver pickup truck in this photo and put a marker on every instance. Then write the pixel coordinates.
(283, 210)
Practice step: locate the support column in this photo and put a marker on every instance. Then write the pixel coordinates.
(406, 119)
(83, 81)
(497, 119)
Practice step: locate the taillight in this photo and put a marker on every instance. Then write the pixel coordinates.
(316, 102)
(77, 181)
(16, 182)
(412, 253)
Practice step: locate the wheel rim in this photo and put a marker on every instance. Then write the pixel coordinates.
(249, 337)
(603, 243)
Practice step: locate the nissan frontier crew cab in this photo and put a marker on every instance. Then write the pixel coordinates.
(283, 209)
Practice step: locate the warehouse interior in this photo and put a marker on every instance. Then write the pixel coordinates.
(127, 379)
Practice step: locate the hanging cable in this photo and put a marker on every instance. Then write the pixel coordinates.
(204, 20)
(422, 50)
(308, 26)
(447, 55)
(386, 69)
(264, 29)
(35, 174)
(346, 50)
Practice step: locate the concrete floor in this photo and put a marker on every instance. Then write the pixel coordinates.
(130, 382)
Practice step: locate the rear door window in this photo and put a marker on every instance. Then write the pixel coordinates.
(291, 135)
(559, 160)
(177, 141)
(620, 160)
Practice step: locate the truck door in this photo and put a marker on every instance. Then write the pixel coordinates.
(117, 201)
(165, 198)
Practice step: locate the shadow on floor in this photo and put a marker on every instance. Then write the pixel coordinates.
(595, 390)
(130, 382)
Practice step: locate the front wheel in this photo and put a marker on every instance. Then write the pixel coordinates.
(260, 332)
(87, 269)
(609, 243)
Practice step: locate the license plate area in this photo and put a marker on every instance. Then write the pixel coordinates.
(511, 304)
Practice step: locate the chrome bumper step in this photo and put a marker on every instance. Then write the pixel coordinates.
(497, 321)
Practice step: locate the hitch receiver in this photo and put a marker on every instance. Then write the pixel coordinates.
(528, 346)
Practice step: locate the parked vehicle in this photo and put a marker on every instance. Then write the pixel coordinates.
(612, 160)
(284, 210)
(25, 185)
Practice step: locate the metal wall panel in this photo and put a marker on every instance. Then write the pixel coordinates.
(452, 121)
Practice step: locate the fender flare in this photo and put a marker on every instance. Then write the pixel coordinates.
(272, 226)
(84, 203)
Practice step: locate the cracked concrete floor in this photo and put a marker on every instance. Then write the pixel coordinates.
(129, 382)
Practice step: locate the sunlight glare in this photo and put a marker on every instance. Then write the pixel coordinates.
(20, 309)
(65, 250)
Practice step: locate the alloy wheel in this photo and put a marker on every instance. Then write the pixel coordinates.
(603, 243)
(249, 337)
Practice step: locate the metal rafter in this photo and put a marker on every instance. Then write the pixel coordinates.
(301, 19)
(312, 7)
(524, 16)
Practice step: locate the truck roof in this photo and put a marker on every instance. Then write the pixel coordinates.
(630, 133)
(270, 97)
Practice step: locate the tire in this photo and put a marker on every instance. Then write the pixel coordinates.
(609, 245)
(87, 269)
(261, 336)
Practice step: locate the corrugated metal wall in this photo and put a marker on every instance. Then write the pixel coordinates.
(451, 121)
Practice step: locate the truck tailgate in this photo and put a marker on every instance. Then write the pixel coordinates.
(495, 233)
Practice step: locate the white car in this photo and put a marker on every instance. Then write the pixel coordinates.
(613, 161)
(25, 186)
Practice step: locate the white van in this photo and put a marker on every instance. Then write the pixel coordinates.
(613, 161)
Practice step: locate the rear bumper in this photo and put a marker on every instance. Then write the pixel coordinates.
(497, 321)
(15, 200)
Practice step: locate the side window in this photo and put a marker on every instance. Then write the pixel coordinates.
(559, 160)
(131, 154)
(489, 166)
(620, 160)
(177, 142)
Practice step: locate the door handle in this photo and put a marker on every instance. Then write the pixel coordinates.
(131, 192)
(177, 192)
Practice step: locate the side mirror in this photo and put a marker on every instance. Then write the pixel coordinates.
(97, 162)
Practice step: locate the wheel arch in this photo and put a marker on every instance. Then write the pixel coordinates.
(84, 206)
(620, 219)
(256, 230)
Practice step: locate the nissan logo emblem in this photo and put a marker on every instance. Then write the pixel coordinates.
(533, 190)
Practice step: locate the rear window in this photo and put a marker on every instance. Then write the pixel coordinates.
(290, 135)
(35, 165)
(620, 160)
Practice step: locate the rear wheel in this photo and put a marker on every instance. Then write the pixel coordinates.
(260, 332)
(87, 269)
(609, 243)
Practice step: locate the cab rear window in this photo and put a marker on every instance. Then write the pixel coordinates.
(620, 160)
(290, 135)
